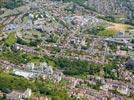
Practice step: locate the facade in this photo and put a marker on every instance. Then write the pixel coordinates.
(16, 95)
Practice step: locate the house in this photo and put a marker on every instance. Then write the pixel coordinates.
(46, 69)
(2, 10)
(10, 27)
(30, 66)
(121, 53)
(34, 98)
(105, 87)
(1, 94)
(120, 34)
(27, 93)
(123, 90)
(16, 95)
(43, 98)
(57, 76)
(115, 98)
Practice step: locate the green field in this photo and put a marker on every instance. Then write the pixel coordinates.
(11, 39)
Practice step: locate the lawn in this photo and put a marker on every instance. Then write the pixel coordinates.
(113, 29)
(11, 39)
(107, 33)
(118, 27)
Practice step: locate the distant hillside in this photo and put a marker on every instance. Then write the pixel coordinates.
(113, 7)
(10, 4)
(113, 10)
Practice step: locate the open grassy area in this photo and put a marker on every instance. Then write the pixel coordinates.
(118, 27)
(25, 19)
(113, 29)
(107, 33)
(11, 39)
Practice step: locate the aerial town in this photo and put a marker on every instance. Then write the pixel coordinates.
(66, 49)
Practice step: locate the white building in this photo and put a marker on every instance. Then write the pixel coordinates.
(24, 74)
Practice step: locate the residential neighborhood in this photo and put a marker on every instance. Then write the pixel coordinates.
(66, 50)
